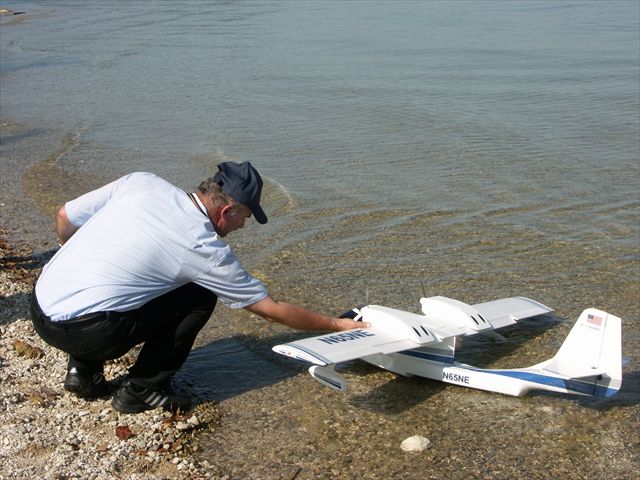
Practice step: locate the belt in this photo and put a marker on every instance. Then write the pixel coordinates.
(82, 320)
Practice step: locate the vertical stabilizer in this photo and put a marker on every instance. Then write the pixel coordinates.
(591, 355)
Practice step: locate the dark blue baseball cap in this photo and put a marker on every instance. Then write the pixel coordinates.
(243, 183)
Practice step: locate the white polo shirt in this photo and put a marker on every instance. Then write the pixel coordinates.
(140, 237)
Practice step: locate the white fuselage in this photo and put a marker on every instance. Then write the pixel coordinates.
(433, 364)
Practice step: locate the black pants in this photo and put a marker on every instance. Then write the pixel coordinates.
(168, 326)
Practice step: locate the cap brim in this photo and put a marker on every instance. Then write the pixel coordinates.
(259, 214)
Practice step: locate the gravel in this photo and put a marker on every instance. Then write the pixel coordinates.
(46, 432)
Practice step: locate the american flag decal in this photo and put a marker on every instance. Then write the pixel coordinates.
(594, 320)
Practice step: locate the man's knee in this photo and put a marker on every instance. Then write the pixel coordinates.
(199, 297)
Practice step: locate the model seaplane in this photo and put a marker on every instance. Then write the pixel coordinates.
(589, 362)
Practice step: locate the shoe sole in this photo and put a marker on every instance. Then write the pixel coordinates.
(124, 407)
(82, 393)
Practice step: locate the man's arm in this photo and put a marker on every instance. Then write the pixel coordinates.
(300, 318)
(87, 205)
(64, 228)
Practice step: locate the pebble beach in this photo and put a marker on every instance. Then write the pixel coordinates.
(46, 432)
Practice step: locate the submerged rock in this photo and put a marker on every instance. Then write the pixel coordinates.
(415, 444)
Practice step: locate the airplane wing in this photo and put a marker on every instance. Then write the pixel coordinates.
(508, 311)
(344, 346)
(396, 330)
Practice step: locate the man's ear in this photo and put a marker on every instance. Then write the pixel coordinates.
(228, 209)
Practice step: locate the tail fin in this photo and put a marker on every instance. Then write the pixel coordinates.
(591, 355)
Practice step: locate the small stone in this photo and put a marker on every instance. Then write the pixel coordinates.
(182, 426)
(193, 420)
(416, 443)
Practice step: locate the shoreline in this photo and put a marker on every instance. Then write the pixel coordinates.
(47, 432)
(285, 426)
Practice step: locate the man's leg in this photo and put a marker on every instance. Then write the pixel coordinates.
(89, 340)
(168, 325)
(86, 378)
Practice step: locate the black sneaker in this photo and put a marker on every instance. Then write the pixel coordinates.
(85, 384)
(132, 398)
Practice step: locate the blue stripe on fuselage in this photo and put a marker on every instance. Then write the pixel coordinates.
(429, 356)
(572, 385)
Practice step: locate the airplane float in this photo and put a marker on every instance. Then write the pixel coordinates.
(589, 362)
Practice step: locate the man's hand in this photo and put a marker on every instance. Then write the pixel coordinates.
(348, 324)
